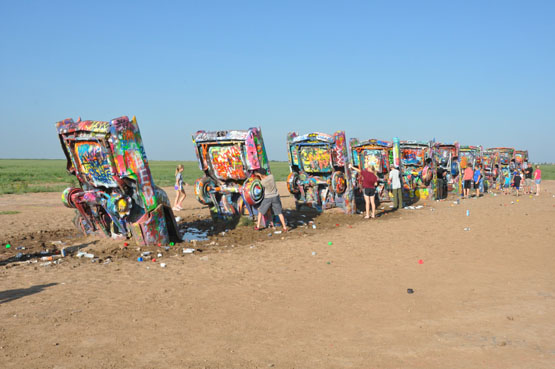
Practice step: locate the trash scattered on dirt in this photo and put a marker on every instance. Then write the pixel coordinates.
(139, 259)
(87, 255)
(313, 253)
(8, 246)
(330, 243)
(177, 219)
(467, 213)
(188, 251)
(410, 291)
(314, 226)
(146, 253)
(277, 232)
(420, 261)
(56, 242)
(162, 265)
(467, 229)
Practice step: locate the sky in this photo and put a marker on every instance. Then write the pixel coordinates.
(477, 72)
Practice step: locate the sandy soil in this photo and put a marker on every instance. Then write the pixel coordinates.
(483, 298)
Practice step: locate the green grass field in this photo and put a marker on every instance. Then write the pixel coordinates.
(36, 175)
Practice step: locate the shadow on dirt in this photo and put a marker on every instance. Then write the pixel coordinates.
(10, 295)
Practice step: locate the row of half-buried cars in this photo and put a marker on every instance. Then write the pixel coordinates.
(117, 196)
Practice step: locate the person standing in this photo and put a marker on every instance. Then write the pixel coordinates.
(468, 175)
(516, 181)
(538, 179)
(528, 171)
(369, 184)
(180, 194)
(271, 199)
(395, 184)
(477, 180)
(441, 172)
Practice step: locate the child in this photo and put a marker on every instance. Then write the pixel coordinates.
(516, 181)
(538, 179)
(507, 183)
(179, 190)
(477, 180)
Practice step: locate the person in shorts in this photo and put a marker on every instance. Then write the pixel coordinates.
(180, 194)
(538, 179)
(507, 183)
(528, 170)
(369, 184)
(477, 180)
(467, 178)
(516, 181)
(271, 199)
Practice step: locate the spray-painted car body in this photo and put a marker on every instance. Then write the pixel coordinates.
(505, 156)
(377, 153)
(319, 175)
(473, 154)
(521, 158)
(117, 196)
(416, 175)
(443, 156)
(229, 159)
(489, 160)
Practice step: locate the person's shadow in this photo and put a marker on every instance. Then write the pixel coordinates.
(10, 295)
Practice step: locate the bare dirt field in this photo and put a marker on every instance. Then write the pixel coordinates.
(481, 298)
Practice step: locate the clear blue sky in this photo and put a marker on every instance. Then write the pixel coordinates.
(480, 72)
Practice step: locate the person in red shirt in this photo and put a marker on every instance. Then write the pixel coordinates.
(369, 184)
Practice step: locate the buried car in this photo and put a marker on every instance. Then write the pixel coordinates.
(373, 153)
(229, 160)
(117, 196)
(320, 174)
(444, 156)
(415, 172)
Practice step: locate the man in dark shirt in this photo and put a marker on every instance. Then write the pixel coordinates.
(440, 183)
(516, 181)
(528, 178)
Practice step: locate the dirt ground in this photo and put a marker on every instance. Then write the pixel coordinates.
(481, 298)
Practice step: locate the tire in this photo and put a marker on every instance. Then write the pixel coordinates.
(202, 188)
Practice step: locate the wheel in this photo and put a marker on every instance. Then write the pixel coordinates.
(252, 191)
(202, 190)
(338, 182)
(293, 182)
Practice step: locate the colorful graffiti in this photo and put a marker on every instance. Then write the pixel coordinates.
(416, 173)
(373, 153)
(319, 171)
(117, 194)
(227, 162)
(316, 159)
(229, 159)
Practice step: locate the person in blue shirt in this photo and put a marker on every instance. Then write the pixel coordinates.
(477, 179)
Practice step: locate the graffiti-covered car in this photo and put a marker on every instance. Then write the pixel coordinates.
(471, 154)
(505, 156)
(521, 158)
(117, 196)
(416, 173)
(320, 175)
(443, 156)
(489, 160)
(373, 153)
(229, 160)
